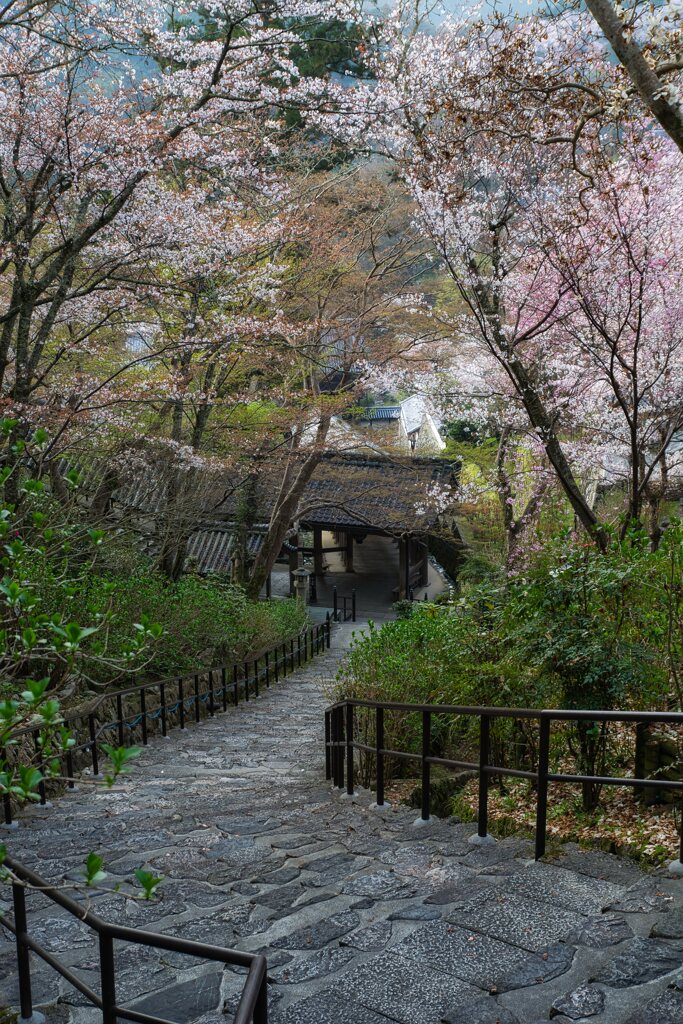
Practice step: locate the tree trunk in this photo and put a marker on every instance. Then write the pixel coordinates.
(647, 83)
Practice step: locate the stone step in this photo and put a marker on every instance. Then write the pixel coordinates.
(364, 916)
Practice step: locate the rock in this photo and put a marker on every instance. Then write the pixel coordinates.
(641, 898)
(325, 961)
(598, 932)
(417, 913)
(327, 1008)
(643, 960)
(669, 926)
(584, 1001)
(370, 939)
(281, 876)
(380, 885)
(315, 936)
(551, 963)
(285, 898)
(666, 1008)
(184, 1001)
(484, 1011)
(246, 826)
(334, 868)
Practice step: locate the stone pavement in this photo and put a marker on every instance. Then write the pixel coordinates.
(363, 916)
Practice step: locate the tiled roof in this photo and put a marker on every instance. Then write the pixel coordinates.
(381, 412)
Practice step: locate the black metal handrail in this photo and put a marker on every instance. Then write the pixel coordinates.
(253, 1004)
(190, 696)
(340, 745)
(348, 606)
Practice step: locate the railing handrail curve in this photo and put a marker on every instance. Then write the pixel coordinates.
(341, 742)
(252, 1006)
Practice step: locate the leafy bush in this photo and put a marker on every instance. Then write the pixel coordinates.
(205, 621)
(579, 629)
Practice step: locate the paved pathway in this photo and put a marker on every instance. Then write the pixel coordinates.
(364, 917)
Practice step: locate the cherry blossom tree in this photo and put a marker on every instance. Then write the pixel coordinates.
(89, 142)
(562, 262)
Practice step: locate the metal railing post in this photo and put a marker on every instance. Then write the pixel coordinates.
(298, 651)
(349, 749)
(261, 1006)
(542, 786)
(328, 752)
(236, 684)
(339, 761)
(181, 702)
(162, 702)
(246, 680)
(212, 695)
(328, 630)
(23, 955)
(426, 773)
(143, 715)
(70, 770)
(119, 712)
(93, 745)
(224, 688)
(6, 799)
(379, 747)
(196, 699)
(333, 740)
(41, 784)
(108, 979)
(484, 747)
(267, 672)
(334, 604)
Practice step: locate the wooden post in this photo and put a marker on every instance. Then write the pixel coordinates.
(349, 551)
(317, 550)
(424, 568)
(403, 568)
(293, 562)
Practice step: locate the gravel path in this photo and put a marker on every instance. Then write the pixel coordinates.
(364, 917)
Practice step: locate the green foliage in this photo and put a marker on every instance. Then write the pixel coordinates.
(47, 557)
(148, 882)
(578, 629)
(35, 714)
(203, 621)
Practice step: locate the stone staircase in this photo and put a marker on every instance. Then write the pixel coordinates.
(364, 916)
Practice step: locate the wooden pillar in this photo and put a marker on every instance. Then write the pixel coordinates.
(424, 568)
(317, 550)
(349, 551)
(293, 562)
(403, 568)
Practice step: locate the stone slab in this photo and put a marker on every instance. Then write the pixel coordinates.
(666, 1008)
(641, 960)
(548, 883)
(405, 990)
(465, 954)
(320, 934)
(327, 1008)
(601, 931)
(317, 965)
(516, 920)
